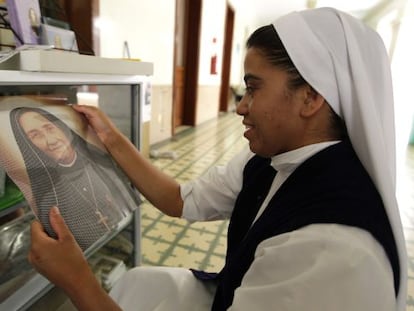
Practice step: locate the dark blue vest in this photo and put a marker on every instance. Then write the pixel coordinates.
(330, 187)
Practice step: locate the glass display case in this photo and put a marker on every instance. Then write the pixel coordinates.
(120, 89)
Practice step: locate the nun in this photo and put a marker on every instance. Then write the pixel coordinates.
(314, 222)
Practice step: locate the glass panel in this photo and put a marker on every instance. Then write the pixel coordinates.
(117, 102)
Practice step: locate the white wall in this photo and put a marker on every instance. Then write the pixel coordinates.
(402, 66)
(147, 26)
(241, 33)
(212, 26)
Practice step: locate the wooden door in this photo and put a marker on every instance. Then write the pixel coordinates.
(79, 14)
(178, 95)
(226, 66)
(186, 58)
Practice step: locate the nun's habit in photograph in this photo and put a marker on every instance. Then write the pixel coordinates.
(93, 195)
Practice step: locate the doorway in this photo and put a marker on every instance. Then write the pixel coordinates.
(226, 65)
(186, 59)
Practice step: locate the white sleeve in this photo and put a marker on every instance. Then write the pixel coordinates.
(212, 196)
(321, 267)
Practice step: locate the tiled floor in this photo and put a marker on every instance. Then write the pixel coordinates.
(173, 242)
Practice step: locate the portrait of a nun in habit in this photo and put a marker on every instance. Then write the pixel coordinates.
(66, 171)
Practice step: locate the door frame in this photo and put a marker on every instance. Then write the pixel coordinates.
(187, 42)
(226, 65)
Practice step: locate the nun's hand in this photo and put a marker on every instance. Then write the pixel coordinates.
(99, 121)
(60, 260)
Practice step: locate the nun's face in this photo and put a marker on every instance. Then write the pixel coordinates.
(271, 113)
(47, 137)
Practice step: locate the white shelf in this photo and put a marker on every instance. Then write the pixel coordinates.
(55, 61)
(14, 77)
(40, 68)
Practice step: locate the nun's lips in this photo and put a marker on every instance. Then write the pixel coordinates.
(249, 127)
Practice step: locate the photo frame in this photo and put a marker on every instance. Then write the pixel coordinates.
(56, 159)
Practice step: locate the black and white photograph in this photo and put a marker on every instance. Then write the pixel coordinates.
(57, 160)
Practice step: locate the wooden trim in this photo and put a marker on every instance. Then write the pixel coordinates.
(96, 34)
(192, 43)
(79, 14)
(226, 65)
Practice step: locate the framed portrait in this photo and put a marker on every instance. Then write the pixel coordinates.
(56, 159)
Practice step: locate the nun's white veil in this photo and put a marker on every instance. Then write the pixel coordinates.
(347, 63)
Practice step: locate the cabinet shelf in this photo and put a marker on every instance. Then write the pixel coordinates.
(68, 62)
(121, 88)
(34, 285)
(13, 208)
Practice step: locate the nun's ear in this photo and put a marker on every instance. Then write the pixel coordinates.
(312, 102)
